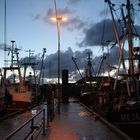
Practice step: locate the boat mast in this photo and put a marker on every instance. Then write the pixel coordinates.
(121, 60)
(102, 61)
(130, 46)
(89, 65)
(74, 60)
(29, 64)
(42, 67)
(14, 63)
(128, 22)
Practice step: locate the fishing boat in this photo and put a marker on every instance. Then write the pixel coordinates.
(94, 90)
(118, 99)
(125, 108)
(16, 88)
(87, 84)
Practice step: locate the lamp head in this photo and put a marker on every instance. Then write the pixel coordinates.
(59, 18)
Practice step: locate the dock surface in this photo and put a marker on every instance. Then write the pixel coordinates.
(73, 123)
(76, 123)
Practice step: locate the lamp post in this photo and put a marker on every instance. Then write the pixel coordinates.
(58, 20)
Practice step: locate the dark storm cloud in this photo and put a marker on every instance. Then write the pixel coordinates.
(75, 23)
(51, 63)
(99, 33)
(81, 60)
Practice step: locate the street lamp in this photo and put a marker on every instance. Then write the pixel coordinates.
(58, 20)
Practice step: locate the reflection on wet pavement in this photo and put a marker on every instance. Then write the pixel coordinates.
(9, 125)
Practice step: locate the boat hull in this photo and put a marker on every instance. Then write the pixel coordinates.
(22, 97)
(127, 120)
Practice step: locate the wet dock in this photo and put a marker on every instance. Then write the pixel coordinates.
(12, 122)
(76, 123)
(73, 123)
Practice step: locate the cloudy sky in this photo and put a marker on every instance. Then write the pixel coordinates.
(29, 24)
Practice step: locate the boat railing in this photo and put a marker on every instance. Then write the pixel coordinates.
(36, 126)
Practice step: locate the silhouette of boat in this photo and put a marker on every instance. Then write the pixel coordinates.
(15, 85)
(118, 100)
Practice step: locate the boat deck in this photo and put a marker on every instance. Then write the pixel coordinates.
(76, 123)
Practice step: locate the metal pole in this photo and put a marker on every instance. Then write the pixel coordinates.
(130, 44)
(58, 28)
(5, 31)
